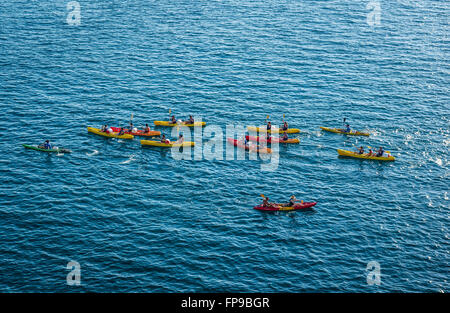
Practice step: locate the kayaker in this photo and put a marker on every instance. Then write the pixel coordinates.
(180, 139)
(164, 140)
(266, 202)
(380, 152)
(347, 128)
(285, 126)
(131, 127)
(285, 137)
(121, 132)
(370, 152)
(269, 126)
(173, 120)
(103, 128)
(190, 120)
(361, 150)
(291, 202)
(147, 128)
(46, 145)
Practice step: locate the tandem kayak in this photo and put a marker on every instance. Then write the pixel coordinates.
(341, 131)
(270, 140)
(166, 145)
(110, 135)
(259, 129)
(138, 133)
(167, 123)
(256, 148)
(352, 154)
(56, 149)
(279, 207)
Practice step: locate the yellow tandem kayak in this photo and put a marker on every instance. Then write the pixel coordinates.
(364, 156)
(340, 131)
(167, 123)
(97, 131)
(289, 130)
(166, 145)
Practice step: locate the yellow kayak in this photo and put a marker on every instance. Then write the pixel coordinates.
(364, 156)
(111, 135)
(167, 123)
(166, 145)
(289, 130)
(340, 131)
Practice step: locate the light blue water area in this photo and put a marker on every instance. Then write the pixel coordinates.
(139, 221)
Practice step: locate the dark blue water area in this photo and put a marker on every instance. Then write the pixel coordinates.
(137, 220)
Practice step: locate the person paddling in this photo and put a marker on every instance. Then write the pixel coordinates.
(285, 126)
(347, 128)
(147, 128)
(361, 150)
(285, 137)
(190, 120)
(121, 132)
(291, 202)
(173, 120)
(46, 145)
(180, 139)
(380, 152)
(164, 140)
(269, 126)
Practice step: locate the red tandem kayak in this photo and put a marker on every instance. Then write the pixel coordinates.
(298, 206)
(256, 148)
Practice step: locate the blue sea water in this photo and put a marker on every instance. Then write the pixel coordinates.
(137, 220)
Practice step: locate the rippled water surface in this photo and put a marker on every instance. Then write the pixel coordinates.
(138, 220)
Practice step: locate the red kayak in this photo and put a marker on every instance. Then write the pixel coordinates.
(271, 139)
(240, 144)
(298, 206)
(138, 133)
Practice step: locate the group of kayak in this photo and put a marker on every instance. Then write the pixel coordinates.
(250, 143)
